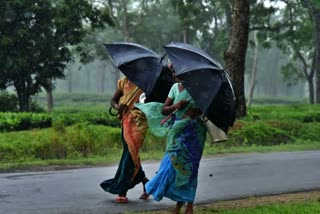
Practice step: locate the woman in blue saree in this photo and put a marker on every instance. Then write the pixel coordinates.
(177, 176)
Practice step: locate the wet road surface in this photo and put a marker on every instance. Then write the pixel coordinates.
(220, 178)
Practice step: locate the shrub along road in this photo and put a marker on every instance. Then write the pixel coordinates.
(220, 178)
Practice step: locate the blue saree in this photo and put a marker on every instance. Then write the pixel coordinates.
(177, 176)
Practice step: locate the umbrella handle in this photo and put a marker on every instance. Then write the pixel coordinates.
(170, 115)
(111, 107)
(163, 57)
(111, 113)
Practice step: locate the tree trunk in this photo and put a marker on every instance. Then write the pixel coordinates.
(314, 12)
(311, 89)
(236, 53)
(317, 68)
(23, 97)
(49, 100)
(185, 34)
(254, 70)
(125, 21)
(125, 34)
(103, 77)
(69, 80)
(100, 77)
(309, 76)
(273, 73)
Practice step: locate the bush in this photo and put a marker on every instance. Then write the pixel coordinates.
(8, 102)
(258, 133)
(310, 131)
(81, 140)
(311, 117)
(25, 121)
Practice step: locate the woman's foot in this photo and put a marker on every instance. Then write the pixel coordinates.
(121, 199)
(189, 208)
(144, 195)
(177, 209)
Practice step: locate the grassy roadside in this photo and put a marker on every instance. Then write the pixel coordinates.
(85, 144)
(293, 203)
(114, 157)
(265, 129)
(88, 146)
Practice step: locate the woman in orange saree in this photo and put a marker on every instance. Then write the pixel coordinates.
(134, 127)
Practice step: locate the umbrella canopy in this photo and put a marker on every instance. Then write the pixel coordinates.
(162, 86)
(206, 81)
(139, 64)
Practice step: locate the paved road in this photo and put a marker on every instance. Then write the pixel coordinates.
(233, 176)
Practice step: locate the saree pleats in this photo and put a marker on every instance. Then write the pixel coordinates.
(134, 134)
(127, 175)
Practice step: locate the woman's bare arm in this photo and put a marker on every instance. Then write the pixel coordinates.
(115, 101)
(169, 107)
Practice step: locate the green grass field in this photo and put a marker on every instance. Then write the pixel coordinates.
(266, 128)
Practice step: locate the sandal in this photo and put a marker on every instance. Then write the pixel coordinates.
(144, 196)
(121, 199)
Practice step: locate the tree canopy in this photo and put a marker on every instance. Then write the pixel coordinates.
(35, 41)
(39, 37)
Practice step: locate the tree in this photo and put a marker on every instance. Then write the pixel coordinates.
(313, 7)
(147, 24)
(294, 40)
(236, 53)
(292, 31)
(36, 36)
(211, 27)
(187, 11)
(159, 26)
(125, 20)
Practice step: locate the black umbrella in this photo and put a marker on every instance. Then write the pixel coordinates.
(139, 64)
(206, 81)
(162, 86)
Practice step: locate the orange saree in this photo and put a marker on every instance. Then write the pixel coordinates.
(134, 128)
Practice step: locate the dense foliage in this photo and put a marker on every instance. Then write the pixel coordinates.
(8, 102)
(59, 142)
(35, 41)
(26, 121)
